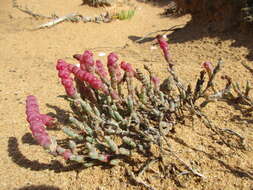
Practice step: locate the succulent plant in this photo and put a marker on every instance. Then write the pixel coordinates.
(108, 126)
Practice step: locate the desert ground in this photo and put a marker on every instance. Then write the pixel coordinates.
(27, 65)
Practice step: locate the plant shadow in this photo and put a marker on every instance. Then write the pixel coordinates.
(61, 115)
(28, 139)
(240, 119)
(196, 31)
(157, 3)
(138, 38)
(17, 157)
(38, 187)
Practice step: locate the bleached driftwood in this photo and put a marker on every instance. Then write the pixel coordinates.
(57, 21)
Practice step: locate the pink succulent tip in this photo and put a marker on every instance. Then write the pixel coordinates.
(75, 69)
(88, 53)
(64, 73)
(47, 120)
(156, 81)
(70, 67)
(164, 46)
(61, 64)
(67, 154)
(126, 66)
(162, 42)
(112, 59)
(106, 158)
(67, 82)
(99, 64)
(100, 70)
(208, 66)
(91, 79)
(71, 91)
(37, 121)
(96, 83)
(86, 61)
(31, 98)
(114, 95)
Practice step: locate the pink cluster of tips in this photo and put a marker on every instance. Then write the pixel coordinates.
(66, 80)
(164, 46)
(92, 72)
(38, 121)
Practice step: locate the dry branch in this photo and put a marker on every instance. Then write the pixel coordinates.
(56, 21)
(173, 28)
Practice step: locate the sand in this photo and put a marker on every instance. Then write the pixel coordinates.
(27, 66)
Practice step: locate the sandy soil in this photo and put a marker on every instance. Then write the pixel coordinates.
(28, 61)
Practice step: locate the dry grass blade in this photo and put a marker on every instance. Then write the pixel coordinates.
(146, 166)
(230, 131)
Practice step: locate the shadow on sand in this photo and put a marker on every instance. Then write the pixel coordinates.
(38, 187)
(195, 31)
(17, 157)
(158, 3)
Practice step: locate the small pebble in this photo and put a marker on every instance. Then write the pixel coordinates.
(101, 54)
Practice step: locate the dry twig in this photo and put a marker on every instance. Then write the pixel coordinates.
(176, 27)
(146, 166)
